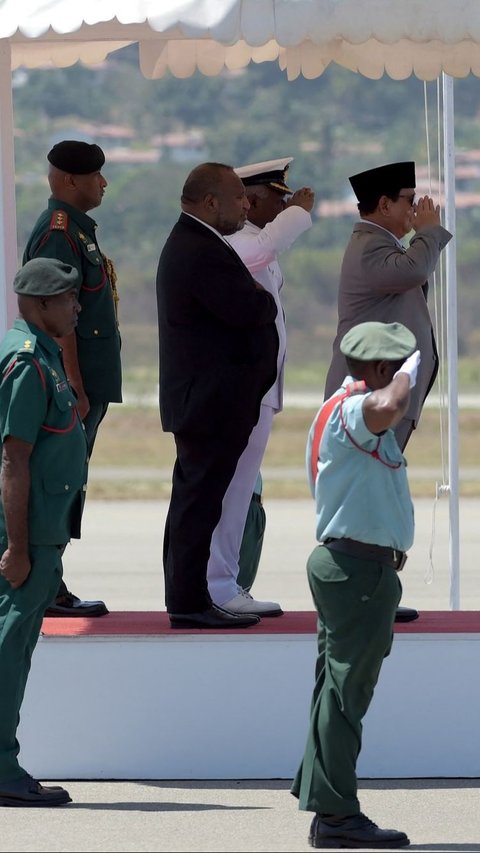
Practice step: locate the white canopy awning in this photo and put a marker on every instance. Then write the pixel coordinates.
(372, 37)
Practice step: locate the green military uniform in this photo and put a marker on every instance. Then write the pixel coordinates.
(252, 540)
(363, 535)
(68, 234)
(37, 406)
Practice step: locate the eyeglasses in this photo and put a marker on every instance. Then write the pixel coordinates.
(410, 198)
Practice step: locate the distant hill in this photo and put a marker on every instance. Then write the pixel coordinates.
(154, 132)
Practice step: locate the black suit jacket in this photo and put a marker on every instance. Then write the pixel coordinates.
(217, 336)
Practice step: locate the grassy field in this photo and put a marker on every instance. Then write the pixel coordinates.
(131, 438)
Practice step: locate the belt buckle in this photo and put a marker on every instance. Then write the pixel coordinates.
(401, 559)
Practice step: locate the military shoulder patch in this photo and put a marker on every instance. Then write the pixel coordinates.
(59, 221)
(28, 347)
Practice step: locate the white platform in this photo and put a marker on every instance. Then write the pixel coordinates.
(200, 705)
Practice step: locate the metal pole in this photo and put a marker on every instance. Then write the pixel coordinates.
(8, 220)
(452, 338)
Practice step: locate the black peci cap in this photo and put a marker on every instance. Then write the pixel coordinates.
(384, 180)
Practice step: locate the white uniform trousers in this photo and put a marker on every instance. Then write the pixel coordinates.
(223, 568)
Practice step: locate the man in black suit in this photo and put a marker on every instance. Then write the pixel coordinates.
(218, 354)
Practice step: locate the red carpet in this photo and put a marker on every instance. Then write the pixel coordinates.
(148, 623)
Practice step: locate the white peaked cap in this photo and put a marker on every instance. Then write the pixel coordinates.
(270, 172)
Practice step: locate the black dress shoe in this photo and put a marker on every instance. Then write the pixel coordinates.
(214, 617)
(406, 614)
(356, 831)
(68, 604)
(28, 792)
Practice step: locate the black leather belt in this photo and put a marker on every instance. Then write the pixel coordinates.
(390, 556)
(256, 498)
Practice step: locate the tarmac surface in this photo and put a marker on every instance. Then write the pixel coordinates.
(119, 560)
(437, 815)
(119, 557)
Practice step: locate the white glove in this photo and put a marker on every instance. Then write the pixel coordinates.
(410, 367)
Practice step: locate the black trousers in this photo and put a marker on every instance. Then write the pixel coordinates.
(203, 469)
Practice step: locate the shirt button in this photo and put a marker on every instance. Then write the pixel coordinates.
(67, 487)
(95, 331)
(70, 403)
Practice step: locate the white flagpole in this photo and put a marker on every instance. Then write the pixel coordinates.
(452, 338)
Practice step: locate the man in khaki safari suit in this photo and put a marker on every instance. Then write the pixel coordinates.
(382, 280)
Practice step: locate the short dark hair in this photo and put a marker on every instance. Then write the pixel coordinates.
(203, 179)
(356, 367)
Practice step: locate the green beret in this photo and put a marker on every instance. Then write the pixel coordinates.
(45, 277)
(76, 158)
(377, 341)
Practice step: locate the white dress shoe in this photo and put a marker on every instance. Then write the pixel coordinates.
(243, 603)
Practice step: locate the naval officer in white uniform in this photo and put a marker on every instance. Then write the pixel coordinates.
(276, 218)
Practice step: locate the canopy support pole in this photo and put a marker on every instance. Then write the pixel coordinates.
(452, 339)
(8, 219)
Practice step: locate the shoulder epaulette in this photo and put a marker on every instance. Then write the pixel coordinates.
(28, 347)
(27, 351)
(59, 221)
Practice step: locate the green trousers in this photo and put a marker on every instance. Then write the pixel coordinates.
(21, 614)
(252, 543)
(94, 418)
(356, 602)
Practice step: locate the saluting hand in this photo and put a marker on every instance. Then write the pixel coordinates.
(426, 213)
(410, 367)
(304, 197)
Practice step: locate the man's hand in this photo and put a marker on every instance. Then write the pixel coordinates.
(15, 567)
(83, 403)
(304, 197)
(426, 213)
(410, 367)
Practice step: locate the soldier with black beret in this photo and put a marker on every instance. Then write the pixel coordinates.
(365, 525)
(43, 480)
(92, 352)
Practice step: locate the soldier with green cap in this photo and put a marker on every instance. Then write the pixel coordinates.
(364, 526)
(92, 352)
(42, 487)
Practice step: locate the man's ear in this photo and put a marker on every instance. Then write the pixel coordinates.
(210, 202)
(384, 203)
(69, 181)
